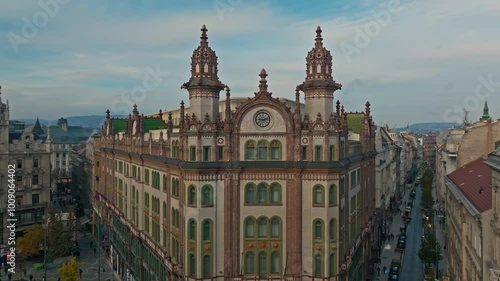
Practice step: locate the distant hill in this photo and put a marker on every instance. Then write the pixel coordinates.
(423, 128)
(91, 121)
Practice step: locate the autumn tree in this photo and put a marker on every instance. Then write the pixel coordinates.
(29, 244)
(69, 271)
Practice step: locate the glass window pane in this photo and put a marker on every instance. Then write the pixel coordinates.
(274, 194)
(206, 230)
(317, 265)
(318, 230)
(250, 193)
(206, 266)
(262, 228)
(262, 152)
(262, 193)
(249, 228)
(262, 264)
(275, 263)
(275, 228)
(249, 263)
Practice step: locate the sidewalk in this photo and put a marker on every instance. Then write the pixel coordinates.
(388, 249)
(88, 260)
(440, 235)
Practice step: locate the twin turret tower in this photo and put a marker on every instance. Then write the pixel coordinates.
(204, 85)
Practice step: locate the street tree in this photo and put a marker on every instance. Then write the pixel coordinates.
(430, 251)
(69, 271)
(60, 236)
(30, 243)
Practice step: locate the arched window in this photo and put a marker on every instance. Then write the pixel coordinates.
(192, 229)
(249, 227)
(262, 227)
(173, 217)
(250, 150)
(213, 69)
(318, 229)
(192, 265)
(263, 148)
(207, 230)
(262, 264)
(205, 69)
(326, 69)
(207, 269)
(164, 183)
(317, 265)
(333, 264)
(250, 193)
(275, 150)
(318, 195)
(318, 68)
(197, 68)
(310, 69)
(333, 229)
(275, 193)
(332, 195)
(249, 263)
(275, 263)
(207, 196)
(275, 227)
(262, 193)
(192, 195)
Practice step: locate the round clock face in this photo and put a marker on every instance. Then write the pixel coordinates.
(262, 119)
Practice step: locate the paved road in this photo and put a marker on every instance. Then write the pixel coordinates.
(412, 266)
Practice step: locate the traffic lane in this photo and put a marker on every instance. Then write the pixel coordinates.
(412, 266)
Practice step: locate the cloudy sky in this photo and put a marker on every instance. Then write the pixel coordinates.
(415, 61)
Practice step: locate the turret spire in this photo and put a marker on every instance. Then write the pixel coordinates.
(319, 38)
(486, 112)
(263, 81)
(204, 37)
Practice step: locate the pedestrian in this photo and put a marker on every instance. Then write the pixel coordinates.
(95, 251)
(9, 276)
(31, 277)
(385, 269)
(91, 244)
(378, 270)
(81, 271)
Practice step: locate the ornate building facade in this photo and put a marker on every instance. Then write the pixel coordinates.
(24, 153)
(266, 191)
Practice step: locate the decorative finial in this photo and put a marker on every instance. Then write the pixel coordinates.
(161, 113)
(319, 39)
(204, 36)
(263, 81)
(338, 107)
(182, 103)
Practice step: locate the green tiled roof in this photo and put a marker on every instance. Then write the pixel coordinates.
(119, 125)
(153, 124)
(354, 121)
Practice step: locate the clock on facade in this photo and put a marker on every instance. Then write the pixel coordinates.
(262, 119)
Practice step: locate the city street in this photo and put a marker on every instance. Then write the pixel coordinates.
(412, 266)
(89, 265)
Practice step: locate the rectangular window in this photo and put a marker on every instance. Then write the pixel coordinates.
(19, 200)
(35, 199)
(332, 152)
(304, 153)
(19, 163)
(318, 153)
(34, 180)
(250, 153)
(262, 152)
(206, 153)
(358, 176)
(19, 179)
(342, 149)
(192, 153)
(220, 153)
(35, 163)
(57, 155)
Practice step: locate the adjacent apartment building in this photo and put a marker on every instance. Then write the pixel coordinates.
(266, 191)
(25, 159)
